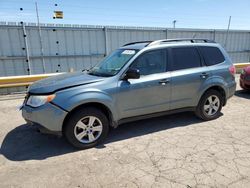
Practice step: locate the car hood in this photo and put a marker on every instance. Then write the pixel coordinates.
(62, 81)
(247, 69)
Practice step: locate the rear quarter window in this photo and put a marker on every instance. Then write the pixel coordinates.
(212, 55)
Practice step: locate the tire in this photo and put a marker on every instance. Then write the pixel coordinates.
(86, 128)
(207, 111)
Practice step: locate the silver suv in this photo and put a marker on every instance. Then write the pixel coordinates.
(137, 81)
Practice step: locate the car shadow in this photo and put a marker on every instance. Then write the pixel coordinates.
(26, 143)
(243, 94)
(148, 126)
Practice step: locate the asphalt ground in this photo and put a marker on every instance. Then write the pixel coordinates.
(171, 151)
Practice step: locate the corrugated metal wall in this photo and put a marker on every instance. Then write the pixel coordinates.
(80, 47)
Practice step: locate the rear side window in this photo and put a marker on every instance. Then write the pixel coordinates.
(212, 55)
(185, 58)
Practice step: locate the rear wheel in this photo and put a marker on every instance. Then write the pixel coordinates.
(86, 128)
(210, 105)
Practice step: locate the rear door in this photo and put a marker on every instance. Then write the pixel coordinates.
(188, 73)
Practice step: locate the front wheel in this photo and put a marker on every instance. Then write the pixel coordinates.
(86, 128)
(210, 105)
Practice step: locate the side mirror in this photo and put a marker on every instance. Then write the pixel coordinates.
(132, 74)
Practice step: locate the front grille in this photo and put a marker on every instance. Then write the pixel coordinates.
(247, 78)
(247, 86)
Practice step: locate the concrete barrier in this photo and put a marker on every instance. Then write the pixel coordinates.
(26, 80)
(240, 66)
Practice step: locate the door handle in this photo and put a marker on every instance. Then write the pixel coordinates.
(164, 81)
(204, 75)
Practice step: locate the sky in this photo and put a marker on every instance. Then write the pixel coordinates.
(204, 14)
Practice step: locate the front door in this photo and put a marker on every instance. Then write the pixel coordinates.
(151, 92)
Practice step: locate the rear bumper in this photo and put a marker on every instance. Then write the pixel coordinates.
(231, 90)
(48, 116)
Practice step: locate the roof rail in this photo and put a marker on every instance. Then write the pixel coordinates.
(138, 42)
(192, 40)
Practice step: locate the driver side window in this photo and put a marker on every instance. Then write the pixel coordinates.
(151, 62)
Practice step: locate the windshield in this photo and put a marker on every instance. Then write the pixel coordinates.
(113, 63)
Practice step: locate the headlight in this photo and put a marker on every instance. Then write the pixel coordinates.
(39, 100)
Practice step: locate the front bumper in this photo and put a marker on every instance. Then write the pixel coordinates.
(244, 83)
(48, 115)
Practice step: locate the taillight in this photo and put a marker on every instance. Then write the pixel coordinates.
(232, 70)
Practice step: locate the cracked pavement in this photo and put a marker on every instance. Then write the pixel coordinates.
(171, 151)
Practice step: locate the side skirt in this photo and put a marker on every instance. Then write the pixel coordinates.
(147, 116)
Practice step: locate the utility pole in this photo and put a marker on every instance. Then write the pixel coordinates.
(174, 22)
(40, 37)
(228, 27)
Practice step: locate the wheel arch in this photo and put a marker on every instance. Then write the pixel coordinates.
(217, 88)
(96, 105)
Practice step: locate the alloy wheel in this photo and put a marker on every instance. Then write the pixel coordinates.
(212, 105)
(88, 129)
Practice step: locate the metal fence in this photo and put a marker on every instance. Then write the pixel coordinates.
(60, 47)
